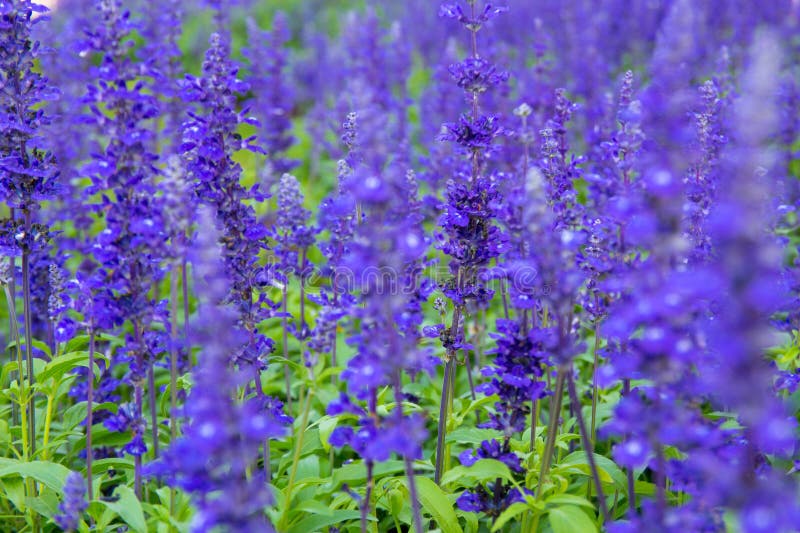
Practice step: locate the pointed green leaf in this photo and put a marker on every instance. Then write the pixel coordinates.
(320, 522)
(53, 475)
(129, 508)
(514, 510)
(436, 503)
(481, 471)
(570, 519)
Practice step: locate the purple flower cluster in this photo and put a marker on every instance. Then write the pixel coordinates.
(29, 172)
(72, 507)
(214, 458)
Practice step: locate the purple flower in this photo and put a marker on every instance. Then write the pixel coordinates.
(492, 449)
(274, 99)
(210, 141)
(476, 75)
(219, 447)
(519, 362)
(74, 504)
(28, 171)
(472, 133)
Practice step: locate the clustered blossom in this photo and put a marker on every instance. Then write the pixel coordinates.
(384, 256)
(127, 254)
(469, 235)
(74, 504)
(209, 140)
(495, 497)
(385, 327)
(29, 172)
(294, 234)
(701, 177)
(274, 100)
(515, 375)
(214, 459)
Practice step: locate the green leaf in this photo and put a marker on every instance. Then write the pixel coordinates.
(570, 519)
(63, 364)
(14, 490)
(476, 405)
(36, 343)
(356, 472)
(470, 435)
(53, 475)
(644, 487)
(569, 499)
(320, 522)
(483, 470)
(311, 442)
(128, 508)
(437, 504)
(312, 507)
(326, 426)
(81, 342)
(101, 466)
(76, 414)
(44, 506)
(608, 469)
(396, 502)
(514, 510)
(470, 521)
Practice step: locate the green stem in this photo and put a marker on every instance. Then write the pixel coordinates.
(26, 299)
(367, 497)
(151, 384)
(552, 430)
(12, 312)
(138, 391)
(48, 420)
(537, 405)
(596, 364)
(626, 389)
(90, 412)
(444, 414)
(409, 466)
(286, 374)
(296, 459)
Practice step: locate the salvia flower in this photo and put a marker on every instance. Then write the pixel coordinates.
(74, 504)
(29, 174)
(210, 139)
(746, 270)
(274, 99)
(214, 459)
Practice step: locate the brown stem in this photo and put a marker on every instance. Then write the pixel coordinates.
(576, 407)
(552, 429)
(367, 496)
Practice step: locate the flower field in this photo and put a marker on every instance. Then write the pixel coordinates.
(400, 266)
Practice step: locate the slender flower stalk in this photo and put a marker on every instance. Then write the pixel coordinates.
(29, 174)
(128, 254)
(470, 237)
(214, 460)
(387, 333)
